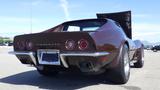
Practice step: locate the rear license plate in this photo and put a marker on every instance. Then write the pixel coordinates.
(48, 57)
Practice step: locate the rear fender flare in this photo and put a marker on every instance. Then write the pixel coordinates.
(116, 60)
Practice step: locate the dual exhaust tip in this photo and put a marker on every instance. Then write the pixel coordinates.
(86, 66)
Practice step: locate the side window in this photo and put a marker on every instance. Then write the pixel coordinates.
(73, 28)
(90, 28)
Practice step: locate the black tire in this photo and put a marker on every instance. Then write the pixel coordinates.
(121, 74)
(154, 50)
(140, 61)
(45, 71)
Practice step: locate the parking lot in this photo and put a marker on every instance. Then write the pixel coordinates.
(16, 76)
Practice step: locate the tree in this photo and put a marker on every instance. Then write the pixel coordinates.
(1, 40)
(5, 40)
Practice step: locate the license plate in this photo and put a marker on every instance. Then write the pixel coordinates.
(48, 57)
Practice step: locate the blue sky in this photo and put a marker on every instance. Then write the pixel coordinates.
(15, 15)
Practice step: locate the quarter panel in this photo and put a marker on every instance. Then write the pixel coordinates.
(109, 38)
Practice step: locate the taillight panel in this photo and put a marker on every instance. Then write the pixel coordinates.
(20, 45)
(23, 45)
(83, 44)
(70, 44)
(29, 45)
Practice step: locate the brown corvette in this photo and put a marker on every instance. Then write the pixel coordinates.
(90, 45)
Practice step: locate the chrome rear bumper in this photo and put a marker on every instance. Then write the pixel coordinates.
(62, 55)
(30, 54)
(95, 54)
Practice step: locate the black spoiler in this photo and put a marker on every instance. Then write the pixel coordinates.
(124, 19)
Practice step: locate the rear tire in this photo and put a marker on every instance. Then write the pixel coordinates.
(45, 71)
(121, 73)
(154, 50)
(140, 61)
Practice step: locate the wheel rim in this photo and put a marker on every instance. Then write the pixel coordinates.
(126, 65)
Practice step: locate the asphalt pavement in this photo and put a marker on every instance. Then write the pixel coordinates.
(16, 76)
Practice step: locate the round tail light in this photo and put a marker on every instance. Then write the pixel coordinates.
(29, 45)
(82, 44)
(70, 44)
(20, 45)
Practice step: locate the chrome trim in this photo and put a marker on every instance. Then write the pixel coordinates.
(30, 54)
(95, 54)
(53, 51)
(62, 55)
(63, 61)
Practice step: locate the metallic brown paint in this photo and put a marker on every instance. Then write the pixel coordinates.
(109, 38)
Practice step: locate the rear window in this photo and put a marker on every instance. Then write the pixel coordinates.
(84, 25)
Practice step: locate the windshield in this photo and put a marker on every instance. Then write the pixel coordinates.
(84, 25)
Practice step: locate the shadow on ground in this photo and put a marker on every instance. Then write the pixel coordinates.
(61, 81)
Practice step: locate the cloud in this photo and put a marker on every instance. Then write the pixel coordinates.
(15, 25)
(64, 5)
(141, 15)
(15, 29)
(36, 2)
(146, 31)
(13, 19)
(16, 19)
(32, 2)
(143, 26)
(146, 34)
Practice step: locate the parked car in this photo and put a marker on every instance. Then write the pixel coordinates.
(148, 47)
(89, 45)
(155, 48)
(10, 44)
(1, 44)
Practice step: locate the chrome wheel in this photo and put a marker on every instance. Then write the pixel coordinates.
(121, 73)
(140, 60)
(126, 64)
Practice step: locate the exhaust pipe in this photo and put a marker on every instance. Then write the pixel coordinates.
(86, 66)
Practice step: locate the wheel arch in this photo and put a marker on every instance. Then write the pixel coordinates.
(126, 42)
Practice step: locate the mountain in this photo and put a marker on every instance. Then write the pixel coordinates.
(147, 43)
(157, 43)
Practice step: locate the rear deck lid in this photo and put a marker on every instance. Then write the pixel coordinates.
(123, 18)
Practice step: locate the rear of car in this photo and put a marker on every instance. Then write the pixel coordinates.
(72, 46)
(91, 45)
(155, 48)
